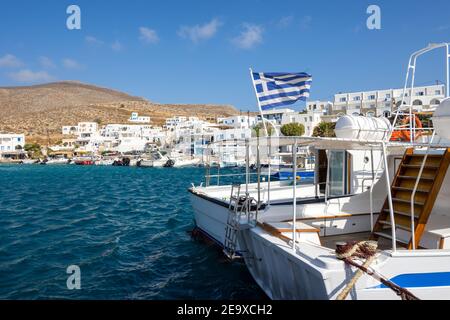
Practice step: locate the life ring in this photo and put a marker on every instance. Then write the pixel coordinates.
(405, 135)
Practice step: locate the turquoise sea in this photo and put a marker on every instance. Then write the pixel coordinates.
(126, 228)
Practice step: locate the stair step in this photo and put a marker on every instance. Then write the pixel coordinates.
(409, 189)
(405, 214)
(418, 166)
(419, 155)
(415, 178)
(397, 225)
(389, 236)
(401, 222)
(408, 201)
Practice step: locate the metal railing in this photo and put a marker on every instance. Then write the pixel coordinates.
(413, 193)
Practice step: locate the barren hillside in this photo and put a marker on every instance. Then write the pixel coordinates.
(42, 110)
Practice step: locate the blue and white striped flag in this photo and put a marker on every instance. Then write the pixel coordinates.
(277, 89)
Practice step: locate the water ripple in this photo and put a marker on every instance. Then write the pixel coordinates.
(127, 229)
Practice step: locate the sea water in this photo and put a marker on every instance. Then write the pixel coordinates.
(126, 228)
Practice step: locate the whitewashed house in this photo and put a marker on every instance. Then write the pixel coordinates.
(11, 142)
(384, 102)
(138, 119)
(238, 122)
(310, 117)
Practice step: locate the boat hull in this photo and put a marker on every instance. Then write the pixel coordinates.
(313, 272)
(210, 218)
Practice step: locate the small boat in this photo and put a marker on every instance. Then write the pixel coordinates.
(30, 161)
(186, 162)
(156, 160)
(104, 162)
(55, 161)
(83, 161)
(287, 175)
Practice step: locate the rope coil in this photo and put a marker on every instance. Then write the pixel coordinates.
(350, 251)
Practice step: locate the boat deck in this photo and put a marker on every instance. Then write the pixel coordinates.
(383, 244)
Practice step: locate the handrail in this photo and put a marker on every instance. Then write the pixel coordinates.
(412, 64)
(413, 194)
(232, 175)
(391, 206)
(371, 193)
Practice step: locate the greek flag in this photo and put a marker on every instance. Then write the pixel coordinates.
(277, 89)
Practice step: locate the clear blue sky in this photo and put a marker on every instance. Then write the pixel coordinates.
(200, 51)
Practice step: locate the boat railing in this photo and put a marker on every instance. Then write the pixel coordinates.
(416, 185)
(410, 80)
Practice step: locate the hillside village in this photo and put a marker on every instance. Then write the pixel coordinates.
(190, 135)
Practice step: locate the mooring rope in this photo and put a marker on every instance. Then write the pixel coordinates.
(365, 250)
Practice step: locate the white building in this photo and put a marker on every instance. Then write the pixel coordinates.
(309, 120)
(70, 130)
(11, 142)
(232, 134)
(325, 107)
(138, 119)
(238, 122)
(175, 121)
(384, 102)
(87, 127)
(274, 115)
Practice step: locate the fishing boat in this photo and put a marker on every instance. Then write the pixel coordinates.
(83, 161)
(377, 232)
(271, 200)
(104, 162)
(156, 159)
(183, 161)
(30, 161)
(55, 161)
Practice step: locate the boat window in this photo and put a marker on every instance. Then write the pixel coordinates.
(337, 173)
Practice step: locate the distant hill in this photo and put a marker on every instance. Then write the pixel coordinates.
(41, 110)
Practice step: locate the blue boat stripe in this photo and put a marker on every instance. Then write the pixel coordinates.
(418, 280)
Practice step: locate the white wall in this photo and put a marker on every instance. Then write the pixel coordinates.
(9, 142)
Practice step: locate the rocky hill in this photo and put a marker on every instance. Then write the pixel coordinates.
(40, 111)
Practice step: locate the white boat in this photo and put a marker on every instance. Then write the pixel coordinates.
(229, 160)
(30, 161)
(185, 162)
(104, 162)
(55, 161)
(387, 236)
(156, 159)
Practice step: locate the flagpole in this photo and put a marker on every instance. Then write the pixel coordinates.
(257, 100)
(267, 134)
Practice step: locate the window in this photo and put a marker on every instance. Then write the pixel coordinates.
(356, 98)
(437, 92)
(420, 93)
(388, 95)
(343, 99)
(371, 97)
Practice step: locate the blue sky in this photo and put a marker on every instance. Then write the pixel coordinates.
(198, 51)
